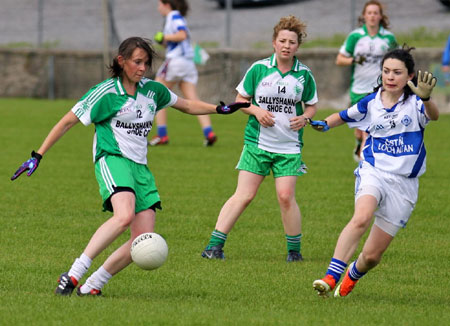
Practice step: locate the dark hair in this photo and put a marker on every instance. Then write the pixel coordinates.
(180, 5)
(126, 49)
(404, 56)
(384, 18)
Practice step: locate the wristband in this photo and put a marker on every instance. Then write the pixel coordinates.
(426, 99)
(36, 155)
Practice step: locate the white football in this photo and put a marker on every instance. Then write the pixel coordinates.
(149, 251)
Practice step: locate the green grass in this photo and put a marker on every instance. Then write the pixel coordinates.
(47, 219)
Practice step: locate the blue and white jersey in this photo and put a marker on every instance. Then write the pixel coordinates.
(395, 142)
(175, 22)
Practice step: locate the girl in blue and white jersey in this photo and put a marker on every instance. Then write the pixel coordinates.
(394, 156)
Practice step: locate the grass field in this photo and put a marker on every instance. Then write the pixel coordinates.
(47, 219)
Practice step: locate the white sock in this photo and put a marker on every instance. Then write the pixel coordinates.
(80, 266)
(96, 281)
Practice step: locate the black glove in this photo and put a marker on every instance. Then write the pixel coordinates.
(230, 108)
(359, 59)
(30, 165)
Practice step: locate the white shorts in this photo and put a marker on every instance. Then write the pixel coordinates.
(178, 69)
(396, 195)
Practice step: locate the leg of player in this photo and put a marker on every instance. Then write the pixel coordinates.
(347, 243)
(190, 92)
(290, 215)
(121, 258)
(248, 184)
(162, 137)
(374, 247)
(123, 204)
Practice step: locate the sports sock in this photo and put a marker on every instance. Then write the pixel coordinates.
(293, 242)
(80, 266)
(206, 131)
(354, 274)
(336, 268)
(217, 238)
(96, 281)
(162, 131)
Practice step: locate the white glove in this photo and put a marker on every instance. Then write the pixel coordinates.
(425, 85)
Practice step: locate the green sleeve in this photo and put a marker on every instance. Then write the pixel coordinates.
(350, 42)
(163, 96)
(310, 88)
(250, 80)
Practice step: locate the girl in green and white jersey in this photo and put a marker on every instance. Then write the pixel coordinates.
(363, 50)
(277, 87)
(122, 109)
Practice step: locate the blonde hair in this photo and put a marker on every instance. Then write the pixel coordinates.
(290, 23)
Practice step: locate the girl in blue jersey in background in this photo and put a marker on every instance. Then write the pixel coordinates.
(178, 67)
(393, 158)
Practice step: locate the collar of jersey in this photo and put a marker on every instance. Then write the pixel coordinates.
(295, 66)
(364, 27)
(121, 90)
(392, 109)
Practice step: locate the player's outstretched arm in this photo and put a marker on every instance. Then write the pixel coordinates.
(196, 107)
(67, 122)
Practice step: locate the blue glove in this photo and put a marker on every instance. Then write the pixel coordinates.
(230, 108)
(319, 125)
(30, 165)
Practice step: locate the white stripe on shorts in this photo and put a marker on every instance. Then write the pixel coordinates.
(106, 175)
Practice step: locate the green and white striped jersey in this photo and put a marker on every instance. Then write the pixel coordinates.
(281, 94)
(359, 42)
(122, 122)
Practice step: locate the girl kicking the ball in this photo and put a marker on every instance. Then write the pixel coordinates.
(122, 108)
(394, 157)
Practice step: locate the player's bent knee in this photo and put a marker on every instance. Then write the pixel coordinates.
(124, 220)
(361, 221)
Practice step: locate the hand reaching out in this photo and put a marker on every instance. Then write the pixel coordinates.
(425, 85)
